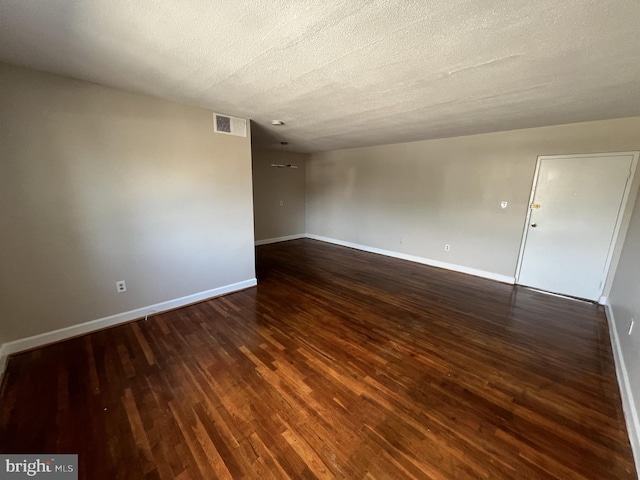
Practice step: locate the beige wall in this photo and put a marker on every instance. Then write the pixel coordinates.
(273, 185)
(625, 304)
(99, 185)
(413, 198)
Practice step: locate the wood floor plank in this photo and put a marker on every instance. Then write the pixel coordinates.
(340, 364)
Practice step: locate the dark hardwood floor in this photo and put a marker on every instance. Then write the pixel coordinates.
(340, 364)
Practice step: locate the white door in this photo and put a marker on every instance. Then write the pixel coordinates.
(573, 218)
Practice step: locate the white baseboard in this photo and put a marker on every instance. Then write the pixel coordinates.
(603, 300)
(267, 241)
(93, 325)
(3, 362)
(628, 405)
(413, 258)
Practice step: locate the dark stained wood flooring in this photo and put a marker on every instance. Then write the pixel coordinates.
(340, 364)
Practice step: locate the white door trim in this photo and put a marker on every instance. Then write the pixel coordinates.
(621, 221)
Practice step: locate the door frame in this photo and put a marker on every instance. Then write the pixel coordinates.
(622, 222)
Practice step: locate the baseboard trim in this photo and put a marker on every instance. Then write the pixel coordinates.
(3, 364)
(628, 405)
(267, 241)
(413, 258)
(46, 338)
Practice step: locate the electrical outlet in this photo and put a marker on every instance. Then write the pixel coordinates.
(631, 326)
(121, 286)
(447, 247)
(281, 202)
(504, 204)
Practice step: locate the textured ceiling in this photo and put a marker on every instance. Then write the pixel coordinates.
(352, 72)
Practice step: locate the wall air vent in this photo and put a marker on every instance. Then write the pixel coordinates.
(277, 165)
(229, 125)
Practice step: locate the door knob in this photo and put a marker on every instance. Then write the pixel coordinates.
(534, 225)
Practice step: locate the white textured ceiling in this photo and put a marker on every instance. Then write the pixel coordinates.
(346, 73)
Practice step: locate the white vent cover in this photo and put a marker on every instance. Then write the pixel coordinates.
(229, 125)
